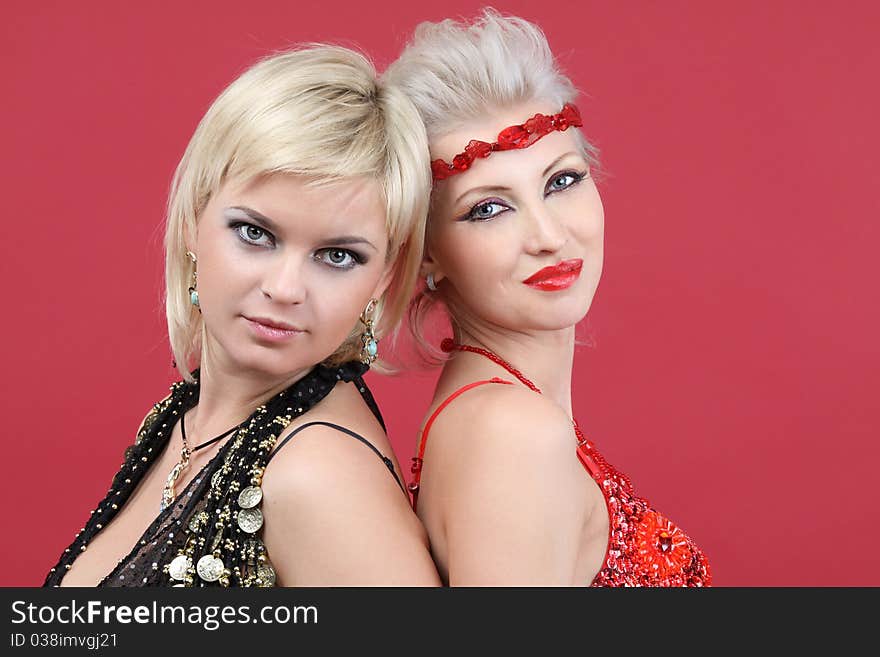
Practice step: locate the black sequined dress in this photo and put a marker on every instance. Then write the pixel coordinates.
(184, 546)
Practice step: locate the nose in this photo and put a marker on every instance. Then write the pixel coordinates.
(283, 281)
(546, 232)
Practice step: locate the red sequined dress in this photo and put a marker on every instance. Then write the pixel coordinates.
(644, 547)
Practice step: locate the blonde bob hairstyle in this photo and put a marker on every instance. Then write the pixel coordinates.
(318, 111)
(456, 72)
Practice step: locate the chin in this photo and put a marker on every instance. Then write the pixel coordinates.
(269, 363)
(564, 308)
(558, 323)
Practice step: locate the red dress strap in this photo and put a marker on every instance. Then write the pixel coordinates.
(423, 441)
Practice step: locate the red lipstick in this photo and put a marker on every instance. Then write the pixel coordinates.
(557, 277)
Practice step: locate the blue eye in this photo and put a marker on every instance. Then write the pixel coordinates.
(563, 181)
(339, 258)
(251, 234)
(485, 210)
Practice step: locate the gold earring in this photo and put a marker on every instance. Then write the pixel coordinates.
(193, 292)
(370, 345)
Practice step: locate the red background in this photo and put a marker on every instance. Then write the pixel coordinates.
(734, 374)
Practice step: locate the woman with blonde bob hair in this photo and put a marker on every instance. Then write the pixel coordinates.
(293, 242)
(508, 487)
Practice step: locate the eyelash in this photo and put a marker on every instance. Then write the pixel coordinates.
(356, 258)
(470, 215)
(577, 176)
(240, 228)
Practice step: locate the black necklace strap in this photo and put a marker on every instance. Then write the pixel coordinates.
(207, 442)
(193, 521)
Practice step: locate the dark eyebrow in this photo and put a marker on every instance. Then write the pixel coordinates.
(268, 224)
(346, 240)
(500, 188)
(257, 217)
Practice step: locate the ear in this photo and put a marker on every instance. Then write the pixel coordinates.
(429, 264)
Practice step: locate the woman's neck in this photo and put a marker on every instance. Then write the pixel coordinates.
(543, 357)
(228, 395)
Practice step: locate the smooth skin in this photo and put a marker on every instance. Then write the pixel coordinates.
(503, 495)
(310, 257)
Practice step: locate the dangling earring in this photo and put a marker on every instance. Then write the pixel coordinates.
(370, 345)
(193, 293)
(429, 281)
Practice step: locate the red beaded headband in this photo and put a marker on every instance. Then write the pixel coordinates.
(514, 137)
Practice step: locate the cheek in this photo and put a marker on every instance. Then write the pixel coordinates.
(224, 276)
(217, 267)
(478, 257)
(338, 298)
(589, 233)
(589, 217)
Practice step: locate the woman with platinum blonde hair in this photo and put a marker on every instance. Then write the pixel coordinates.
(293, 242)
(509, 488)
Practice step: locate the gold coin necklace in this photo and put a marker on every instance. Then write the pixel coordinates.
(168, 494)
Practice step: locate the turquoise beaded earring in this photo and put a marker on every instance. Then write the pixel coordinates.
(370, 345)
(193, 292)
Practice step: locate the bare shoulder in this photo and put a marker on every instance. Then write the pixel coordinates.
(356, 448)
(500, 449)
(494, 420)
(504, 482)
(335, 514)
(320, 464)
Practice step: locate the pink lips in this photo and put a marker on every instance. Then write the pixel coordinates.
(272, 330)
(557, 277)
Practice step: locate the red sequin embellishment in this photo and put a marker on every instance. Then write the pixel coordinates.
(644, 548)
(663, 547)
(512, 138)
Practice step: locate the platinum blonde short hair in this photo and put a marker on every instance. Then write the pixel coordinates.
(456, 72)
(318, 111)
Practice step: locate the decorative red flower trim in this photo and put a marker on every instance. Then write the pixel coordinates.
(662, 547)
(514, 137)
